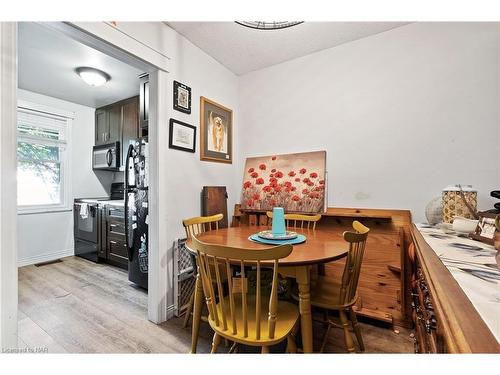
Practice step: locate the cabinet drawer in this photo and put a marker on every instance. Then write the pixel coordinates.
(117, 247)
(115, 213)
(426, 322)
(116, 227)
(117, 252)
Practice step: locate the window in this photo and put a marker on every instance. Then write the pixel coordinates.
(42, 162)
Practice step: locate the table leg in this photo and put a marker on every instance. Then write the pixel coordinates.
(303, 280)
(197, 308)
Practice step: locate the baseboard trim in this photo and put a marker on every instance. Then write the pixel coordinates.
(170, 311)
(46, 257)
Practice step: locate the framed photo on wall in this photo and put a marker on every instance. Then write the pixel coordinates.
(182, 136)
(216, 132)
(182, 97)
(485, 230)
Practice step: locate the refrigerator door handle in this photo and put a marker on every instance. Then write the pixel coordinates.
(127, 229)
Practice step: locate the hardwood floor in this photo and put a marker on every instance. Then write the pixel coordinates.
(77, 306)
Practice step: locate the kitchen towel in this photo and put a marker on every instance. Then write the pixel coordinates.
(84, 210)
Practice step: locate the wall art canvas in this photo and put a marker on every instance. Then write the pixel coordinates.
(296, 182)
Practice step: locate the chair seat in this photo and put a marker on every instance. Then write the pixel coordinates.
(287, 317)
(325, 293)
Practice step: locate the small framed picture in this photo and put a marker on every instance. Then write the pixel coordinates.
(485, 230)
(182, 97)
(216, 132)
(182, 136)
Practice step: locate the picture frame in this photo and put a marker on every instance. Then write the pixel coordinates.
(216, 132)
(485, 229)
(182, 97)
(182, 136)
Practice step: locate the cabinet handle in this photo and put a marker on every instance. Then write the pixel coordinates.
(113, 242)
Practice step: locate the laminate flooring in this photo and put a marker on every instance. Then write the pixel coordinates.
(76, 306)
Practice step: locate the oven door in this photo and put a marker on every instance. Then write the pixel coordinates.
(86, 227)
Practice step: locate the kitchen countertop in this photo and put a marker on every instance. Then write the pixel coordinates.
(115, 202)
(103, 201)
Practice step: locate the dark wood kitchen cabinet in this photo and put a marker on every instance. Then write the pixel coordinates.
(101, 126)
(115, 245)
(115, 124)
(130, 124)
(118, 122)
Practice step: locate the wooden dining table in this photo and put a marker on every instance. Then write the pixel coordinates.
(321, 246)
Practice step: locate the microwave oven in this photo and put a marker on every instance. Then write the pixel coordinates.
(106, 157)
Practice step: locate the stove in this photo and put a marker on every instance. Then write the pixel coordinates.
(87, 213)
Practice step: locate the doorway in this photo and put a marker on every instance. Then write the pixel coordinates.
(156, 307)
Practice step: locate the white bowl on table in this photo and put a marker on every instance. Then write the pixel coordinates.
(464, 225)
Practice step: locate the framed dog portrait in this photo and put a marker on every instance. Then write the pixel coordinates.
(182, 97)
(216, 132)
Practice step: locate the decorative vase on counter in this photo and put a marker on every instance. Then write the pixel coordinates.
(279, 227)
(459, 200)
(434, 211)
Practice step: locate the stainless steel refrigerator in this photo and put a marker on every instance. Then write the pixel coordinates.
(136, 211)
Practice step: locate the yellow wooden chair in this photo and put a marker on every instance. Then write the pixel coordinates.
(301, 221)
(242, 317)
(193, 227)
(341, 296)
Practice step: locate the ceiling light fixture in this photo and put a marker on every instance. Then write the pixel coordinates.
(92, 76)
(268, 25)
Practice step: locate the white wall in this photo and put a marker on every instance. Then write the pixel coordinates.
(48, 236)
(402, 114)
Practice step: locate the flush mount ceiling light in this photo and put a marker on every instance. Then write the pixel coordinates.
(92, 76)
(268, 25)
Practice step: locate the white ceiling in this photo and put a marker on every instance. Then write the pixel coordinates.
(242, 49)
(47, 60)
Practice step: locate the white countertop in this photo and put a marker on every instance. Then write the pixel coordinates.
(115, 202)
(472, 264)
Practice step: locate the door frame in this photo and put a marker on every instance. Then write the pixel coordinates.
(8, 185)
(158, 261)
(158, 83)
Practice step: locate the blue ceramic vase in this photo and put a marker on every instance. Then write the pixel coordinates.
(279, 228)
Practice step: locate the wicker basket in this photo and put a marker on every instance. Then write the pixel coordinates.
(454, 198)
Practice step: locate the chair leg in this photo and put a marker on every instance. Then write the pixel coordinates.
(357, 329)
(189, 310)
(265, 350)
(197, 307)
(215, 342)
(347, 335)
(233, 348)
(291, 347)
(325, 338)
(326, 319)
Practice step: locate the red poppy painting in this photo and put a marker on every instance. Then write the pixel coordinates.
(273, 181)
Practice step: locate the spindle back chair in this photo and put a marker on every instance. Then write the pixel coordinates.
(333, 295)
(242, 317)
(302, 221)
(194, 226)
